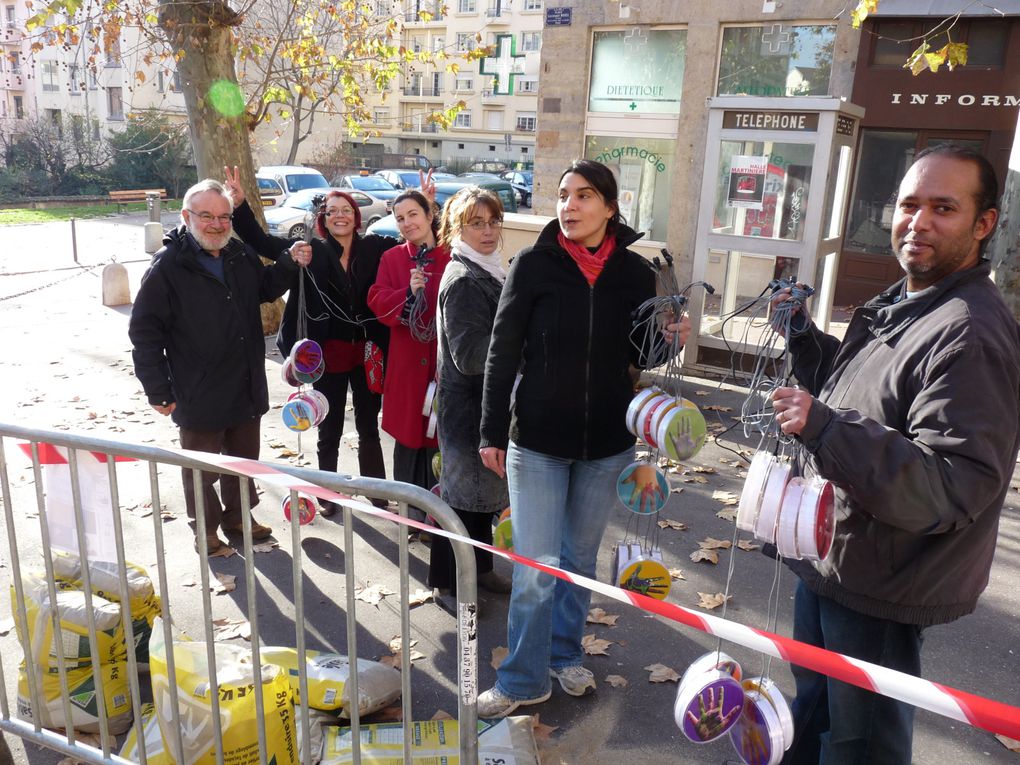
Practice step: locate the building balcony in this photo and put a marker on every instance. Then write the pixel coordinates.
(423, 91)
(493, 98)
(415, 127)
(498, 13)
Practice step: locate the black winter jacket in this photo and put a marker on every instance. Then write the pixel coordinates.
(198, 341)
(347, 291)
(917, 422)
(573, 346)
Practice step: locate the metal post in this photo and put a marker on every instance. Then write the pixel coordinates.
(74, 241)
(152, 203)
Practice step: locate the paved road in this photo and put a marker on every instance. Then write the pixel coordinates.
(67, 365)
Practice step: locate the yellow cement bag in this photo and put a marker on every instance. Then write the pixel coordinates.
(81, 692)
(155, 754)
(105, 579)
(509, 741)
(238, 718)
(378, 685)
(72, 614)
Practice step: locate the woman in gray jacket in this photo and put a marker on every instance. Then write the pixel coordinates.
(468, 295)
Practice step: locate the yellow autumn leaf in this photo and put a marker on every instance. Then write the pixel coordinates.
(956, 55)
(709, 601)
(860, 13)
(140, 76)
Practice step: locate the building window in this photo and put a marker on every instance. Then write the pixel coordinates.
(438, 43)
(462, 120)
(467, 6)
(644, 171)
(115, 103)
(383, 7)
(986, 41)
(74, 78)
(532, 5)
(465, 84)
(93, 80)
(526, 122)
(113, 54)
(531, 41)
(19, 107)
(15, 65)
(56, 120)
(776, 60)
(10, 11)
(638, 71)
(381, 116)
(529, 85)
(50, 77)
(465, 42)
(494, 119)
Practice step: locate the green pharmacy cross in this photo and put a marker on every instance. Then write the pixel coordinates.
(503, 66)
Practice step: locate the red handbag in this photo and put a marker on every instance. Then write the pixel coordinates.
(374, 370)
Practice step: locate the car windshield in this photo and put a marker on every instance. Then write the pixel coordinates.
(527, 178)
(369, 183)
(409, 179)
(306, 181)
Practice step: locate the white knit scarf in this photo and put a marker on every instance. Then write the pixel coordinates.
(491, 264)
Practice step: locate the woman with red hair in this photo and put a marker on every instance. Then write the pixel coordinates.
(343, 268)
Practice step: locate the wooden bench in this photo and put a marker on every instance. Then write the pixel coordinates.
(133, 195)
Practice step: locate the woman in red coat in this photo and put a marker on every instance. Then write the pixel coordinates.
(408, 274)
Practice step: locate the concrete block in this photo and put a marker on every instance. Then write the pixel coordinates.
(115, 285)
(153, 236)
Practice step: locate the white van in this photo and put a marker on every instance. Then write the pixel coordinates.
(277, 182)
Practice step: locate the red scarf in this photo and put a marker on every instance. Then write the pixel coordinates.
(590, 263)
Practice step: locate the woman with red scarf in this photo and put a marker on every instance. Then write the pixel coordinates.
(565, 320)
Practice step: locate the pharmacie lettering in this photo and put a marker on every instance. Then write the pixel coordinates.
(652, 91)
(963, 99)
(632, 151)
(770, 121)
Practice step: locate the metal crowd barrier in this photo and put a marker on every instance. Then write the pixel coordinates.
(69, 743)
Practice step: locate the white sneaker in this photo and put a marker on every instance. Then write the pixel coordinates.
(493, 703)
(577, 681)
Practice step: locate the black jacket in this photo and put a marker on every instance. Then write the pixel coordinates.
(917, 422)
(198, 341)
(573, 346)
(348, 317)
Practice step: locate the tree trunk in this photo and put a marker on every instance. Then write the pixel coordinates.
(200, 35)
(1004, 248)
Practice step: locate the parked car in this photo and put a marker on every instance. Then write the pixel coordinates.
(288, 220)
(446, 189)
(289, 179)
(270, 192)
(494, 166)
(375, 185)
(522, 181)
(400, 179)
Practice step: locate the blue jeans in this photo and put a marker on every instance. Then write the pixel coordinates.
(841, 724)
(560, 509)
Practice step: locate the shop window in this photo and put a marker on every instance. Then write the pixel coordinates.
(637, 71)
(986, 40)
(776, 60)
(893, 43)
(644, 171)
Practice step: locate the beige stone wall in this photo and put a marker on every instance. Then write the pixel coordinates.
(566, 53)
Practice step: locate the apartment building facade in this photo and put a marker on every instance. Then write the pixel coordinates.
(57, 83)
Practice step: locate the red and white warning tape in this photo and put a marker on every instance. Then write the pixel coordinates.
(980, 712)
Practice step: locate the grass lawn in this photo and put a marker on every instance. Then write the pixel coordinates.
(16, 216)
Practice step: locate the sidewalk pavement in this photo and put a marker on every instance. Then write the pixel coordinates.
(67, 365)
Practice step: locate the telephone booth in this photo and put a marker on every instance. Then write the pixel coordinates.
(774, 191)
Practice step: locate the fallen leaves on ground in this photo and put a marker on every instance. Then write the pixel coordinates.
(702, 393)
(595, 646)
(265, 547)
(727, 514)
(716, 408)
(709, 601)
(227, 629)
(224, 583)
(442, 714)
(676, 574)
(676, 489)
(726, 497)
(1010, 743)
(286, 454)
(694, 479)
(704, 469)
(419, 596)
(660, 673)
(396, 642)
(747, 544)
(598, 616)
(224, 552)
(617, 681)
(190, 582)
(669, 523)
(373, 594)
(701, 554)
(711, 543)
(541, 731)
(499, 653)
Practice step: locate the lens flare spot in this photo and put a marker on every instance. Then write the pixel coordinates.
(226, 98)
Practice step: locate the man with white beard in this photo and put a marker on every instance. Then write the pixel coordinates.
(198, 346)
